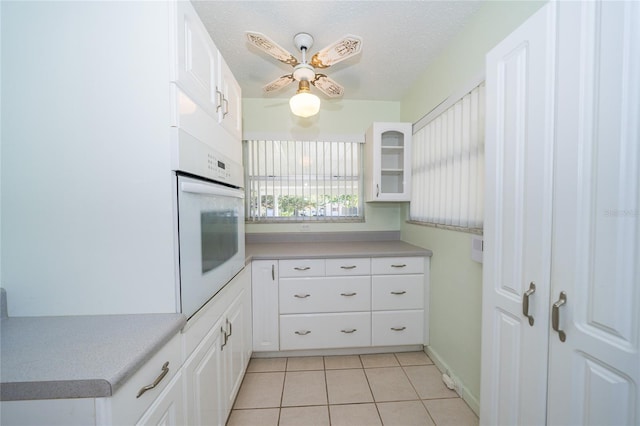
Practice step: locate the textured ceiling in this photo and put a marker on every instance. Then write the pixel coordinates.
(400, 38)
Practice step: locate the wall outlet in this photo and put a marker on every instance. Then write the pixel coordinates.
(305, 227)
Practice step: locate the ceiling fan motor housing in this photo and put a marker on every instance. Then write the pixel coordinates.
(304, 72)
(303, 41)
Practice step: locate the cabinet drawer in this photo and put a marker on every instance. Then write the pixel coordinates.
(391, 292)
(316, 331)
(339, 294)
(126, 407)
(356, 266)
(397, 265)
(397, 327)
(301, 268)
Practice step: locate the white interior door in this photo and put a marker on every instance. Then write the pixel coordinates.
(517, 232)
(594, 374)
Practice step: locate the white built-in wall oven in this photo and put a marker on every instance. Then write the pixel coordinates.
(210, 210)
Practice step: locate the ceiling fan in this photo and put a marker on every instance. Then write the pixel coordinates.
(304, 71)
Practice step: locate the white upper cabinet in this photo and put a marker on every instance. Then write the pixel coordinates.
(197, 60)
(230, 111)
(387, 171)
(203, 75)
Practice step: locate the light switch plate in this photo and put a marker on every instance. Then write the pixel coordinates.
(477, 245)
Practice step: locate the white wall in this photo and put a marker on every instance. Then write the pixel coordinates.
(456, 280)
(86, 175)
(337, 118)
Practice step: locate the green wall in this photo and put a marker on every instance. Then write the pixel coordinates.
(337, 119)
(456, 281)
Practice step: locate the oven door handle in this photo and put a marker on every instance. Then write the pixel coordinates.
(201, 188)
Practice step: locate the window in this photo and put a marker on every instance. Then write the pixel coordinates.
(303, 181)
(448, 165)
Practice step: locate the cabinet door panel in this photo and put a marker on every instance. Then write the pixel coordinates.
(335, 294)
(264, 283)
(168, 408)
(397, 265)
(302, 268)
(397, 328)
(389, 292)
(316, 331)
(519, 143)
(596, 257)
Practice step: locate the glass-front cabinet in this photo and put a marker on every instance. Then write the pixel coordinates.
(388, 162)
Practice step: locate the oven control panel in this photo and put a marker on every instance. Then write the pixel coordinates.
(193, 156)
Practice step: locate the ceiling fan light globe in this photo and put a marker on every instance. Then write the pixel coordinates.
(304, 104)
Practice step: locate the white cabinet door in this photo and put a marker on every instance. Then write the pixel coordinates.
(388, 162)
(519, 142)
(231, 110)
(168, 408)
(233, 353)
(594, 373)
(264, 293)
(203, 383)
(197, 62)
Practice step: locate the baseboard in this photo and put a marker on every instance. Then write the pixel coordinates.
(339, 351)
(461, 389)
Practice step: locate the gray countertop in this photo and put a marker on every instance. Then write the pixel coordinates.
(307, 250)
(92, 356)
(78, 356)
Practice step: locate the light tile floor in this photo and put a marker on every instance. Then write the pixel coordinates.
(401, 389)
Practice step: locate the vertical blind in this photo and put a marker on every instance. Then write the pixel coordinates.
(448, 166)
(302, 180)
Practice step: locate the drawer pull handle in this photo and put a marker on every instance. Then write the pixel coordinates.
(353, 330)
(402, 265)
(398, 328)
(348, 267)
(165, 370)
(398, 292)
(230, 327)
(301, 296)
(303, 333)
(348, 294)
(302, 268)
(225, 338)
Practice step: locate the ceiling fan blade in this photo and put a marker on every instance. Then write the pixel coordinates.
(346, 47)
(328, 86)
(278, 83)
(269, 46)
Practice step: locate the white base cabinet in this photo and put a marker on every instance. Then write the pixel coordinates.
(306, 304)
(216, 343)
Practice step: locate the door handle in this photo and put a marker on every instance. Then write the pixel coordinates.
(525, 302)
(555, 316)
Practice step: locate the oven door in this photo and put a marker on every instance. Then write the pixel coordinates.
(211, 235)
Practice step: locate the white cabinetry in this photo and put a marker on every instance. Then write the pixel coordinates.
(398, 291)
(264, 285)
(215, 367)
(387, 172)
(339, 303)
(209, 99)
(560, 295)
